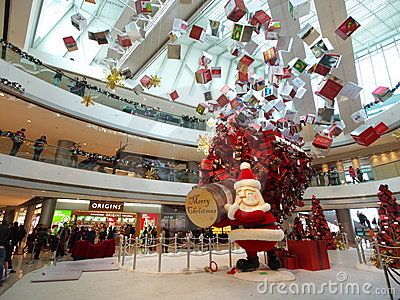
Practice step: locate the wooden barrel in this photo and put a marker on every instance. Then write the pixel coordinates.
(205, 205)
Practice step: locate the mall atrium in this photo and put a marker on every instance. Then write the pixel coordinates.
(199, 149)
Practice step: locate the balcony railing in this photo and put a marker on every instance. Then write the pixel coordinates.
(156, 170)
(77, 87)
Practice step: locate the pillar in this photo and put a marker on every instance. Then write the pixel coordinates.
(63, 155)
(346, 224)
(28, 217)
(355, 162)
(48, 208)
(340, 169)
(331, 13)
(280, 11)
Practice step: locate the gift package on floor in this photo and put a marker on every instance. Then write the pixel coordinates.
(312, 255)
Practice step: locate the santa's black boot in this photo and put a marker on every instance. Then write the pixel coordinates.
(251, 264)
(274, 263)
(240, 263)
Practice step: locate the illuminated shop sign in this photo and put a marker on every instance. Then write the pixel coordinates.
(106, 206)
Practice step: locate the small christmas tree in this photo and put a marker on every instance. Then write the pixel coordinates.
(389, 228)
(297, 230)
(320, 228)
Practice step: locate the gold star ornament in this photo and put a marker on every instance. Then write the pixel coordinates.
(114, 79)
(87, 100)
(204, 144)
(155, 81)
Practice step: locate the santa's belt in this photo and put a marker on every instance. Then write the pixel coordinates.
(260, 226)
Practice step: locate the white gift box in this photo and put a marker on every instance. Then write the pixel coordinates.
(351, 90)
(359, 116)
(180, 25)
(299, 8)
(309, 34)
(133, 31)
(78, 21)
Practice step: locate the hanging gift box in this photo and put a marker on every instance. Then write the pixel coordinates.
(274, 26)
(242, 77)
(134, 31)
(103, 37)
(251, 47)
(206, 164)
(365, 135)
(288, 92)
(325, 115)
(173, 51)
(259, 85)
(208, 96)
(244, 63)
(284, 43)
(146, 81)
(330, 60)
(223, 100)
(201, 108)
(271, 56)
(78, 21)
(381, 128)
(143, 7)
(235, 10)
(321, 47)
(197, 33)
(351, 90)
(173, 95)
(321, 141)
(127, 73)
(347, 28)
(336, 129)
(91, 1)
(216, 72)
(329, 88)
(260, 20)
(138, 89)
(236, 104)
(179, 25)
(70, 43)
(382, 93)
(124, 40)
(203, 76)
(215, 28)
(205, 59)
(242, 33)
(299, 65)
(359, 116)
(299, 8)
(308, 34)
(319, 69)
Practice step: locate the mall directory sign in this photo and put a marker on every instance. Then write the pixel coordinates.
(106, 206)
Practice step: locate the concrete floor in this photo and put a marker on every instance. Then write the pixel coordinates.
(124, 284)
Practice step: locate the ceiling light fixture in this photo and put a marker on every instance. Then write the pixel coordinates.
(29, 121)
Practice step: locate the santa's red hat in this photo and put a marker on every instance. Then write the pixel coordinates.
(246, 178)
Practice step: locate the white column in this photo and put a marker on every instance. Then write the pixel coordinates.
(48, 208)
(331, 13)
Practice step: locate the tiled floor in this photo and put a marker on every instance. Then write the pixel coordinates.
(138, 285)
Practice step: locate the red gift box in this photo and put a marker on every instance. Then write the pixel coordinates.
(70, 43)
(197, 33)
(244, 63)
(329, 90)
(235, 10)
(223, 100)
(206, 164)
(365, 135)
(311, 255)
(290, 262)
(381, 128)
(236, 103)
(259, 20)
(174, 95)
(145, 81)
(271, 56)
(124, 40)
(321, 69)
(203, 76)
(321, 141)
(347, 28)
(382, 93)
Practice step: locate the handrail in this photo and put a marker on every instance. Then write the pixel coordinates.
(37, 68)
(97, 162)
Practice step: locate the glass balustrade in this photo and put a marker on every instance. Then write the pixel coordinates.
(156, 170)
(76, 87)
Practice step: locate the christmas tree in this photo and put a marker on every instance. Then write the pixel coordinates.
(320, 228)
(389, 228)
(283, 169)
(297, 230)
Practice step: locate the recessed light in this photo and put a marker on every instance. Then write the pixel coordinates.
(173, 145)
(43, 191)
(58, 115)
(2, 94)
(29, 121)
(84, 144)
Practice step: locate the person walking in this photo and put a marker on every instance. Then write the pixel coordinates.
(39, 146)
(5, 234)
(353, 175)
(74, 155)
(57, 77)
(360, 175)
(64, 234)
(14, 237)
(18, 139)
(42, 236)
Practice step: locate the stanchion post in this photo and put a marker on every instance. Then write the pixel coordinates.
(230, 254)
(33, 251)
(176, 243)
(188, 253)
(160, 253)
(209, 251)
(217, 241)
(202, 243)
(358, 250)
(362, 252)
(119, 248)
(135, 248)
(129, 243)
(384, 267)
(123, 250)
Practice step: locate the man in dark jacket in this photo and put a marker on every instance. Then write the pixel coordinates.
(42, 236)
(18, 139)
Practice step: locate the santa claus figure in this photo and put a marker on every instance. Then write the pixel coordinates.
(259, 230)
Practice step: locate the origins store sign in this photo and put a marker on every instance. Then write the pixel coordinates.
(106, 206)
